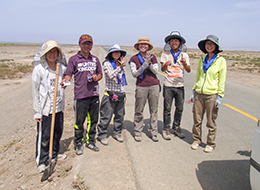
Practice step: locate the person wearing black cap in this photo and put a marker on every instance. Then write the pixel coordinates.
(208, 91)
(174, 61)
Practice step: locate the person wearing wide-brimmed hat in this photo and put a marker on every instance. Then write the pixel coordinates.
(113, 101)
(174, 62)
(43, 86)
(87, 71)
(144, 67)
(208, 90)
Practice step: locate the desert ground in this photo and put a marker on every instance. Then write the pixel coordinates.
(18, 128)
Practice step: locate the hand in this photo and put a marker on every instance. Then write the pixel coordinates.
(218, 101)
(183, 60)
(167, 63)
(191, 100)
(148, 58)
(122, 62)
(62, 83)
(94, 77)
(39, 120)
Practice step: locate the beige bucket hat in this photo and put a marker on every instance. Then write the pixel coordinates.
(144, 40)
(50, 45)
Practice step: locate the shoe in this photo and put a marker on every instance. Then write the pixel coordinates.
(194, 146)
(103, 141)
(119, 138)
(177, 132)
(62, 156)
(166, 134)
(41, 168)
(79, 148)
(208, 149)
(138, 138)
(155, 138)
(92, 147)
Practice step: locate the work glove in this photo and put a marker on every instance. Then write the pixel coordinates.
(191, 100)
(218, 101)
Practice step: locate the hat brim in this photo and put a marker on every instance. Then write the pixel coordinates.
(142, 42)
(50, 48)
(202, 43)
(123, 53)
(168, 38)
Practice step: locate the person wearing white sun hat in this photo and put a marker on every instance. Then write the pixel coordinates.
(43, 87)
(208, 91)
(113, 101)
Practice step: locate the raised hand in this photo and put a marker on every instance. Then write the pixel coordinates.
(122, 62)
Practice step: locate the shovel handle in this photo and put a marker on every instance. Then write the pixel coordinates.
(54, 109)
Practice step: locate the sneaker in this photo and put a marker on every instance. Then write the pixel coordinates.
(79, 148)
(62, 156)
(208, 149)
(155, 138)
(103, 141)
(41, 168)
(166, 134)
(194, 146)
(92, 147)
(119, 138)
(177, 132)
(138, 138)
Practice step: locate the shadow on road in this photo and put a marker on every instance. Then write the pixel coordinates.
(224, 174)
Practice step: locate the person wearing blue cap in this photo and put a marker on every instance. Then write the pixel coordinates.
(174, 61)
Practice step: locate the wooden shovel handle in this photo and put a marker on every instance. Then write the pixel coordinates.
(54, 109)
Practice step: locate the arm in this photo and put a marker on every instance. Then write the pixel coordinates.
(184, 62)
(36, 77)
(222, 76)
(154, 67)
(136, 72)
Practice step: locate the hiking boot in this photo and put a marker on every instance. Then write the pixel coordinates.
(138, 138)
(194, 146)
(79, 148)
(119, 138)
(92, 147)
(208, 149)
(166, 134)
(103, 141)
(41, 168)
(155, 138)
(177, 132)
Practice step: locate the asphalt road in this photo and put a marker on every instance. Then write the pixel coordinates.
(173, 165)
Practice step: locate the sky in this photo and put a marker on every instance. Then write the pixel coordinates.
(235, 22)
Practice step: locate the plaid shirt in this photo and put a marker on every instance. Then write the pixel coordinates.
(111, 77)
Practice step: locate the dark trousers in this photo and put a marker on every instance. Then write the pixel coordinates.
(43, 137)
(86, 108)
(170, 93)
(107, 109)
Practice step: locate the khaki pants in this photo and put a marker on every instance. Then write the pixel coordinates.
(150, 93)
(205, 103)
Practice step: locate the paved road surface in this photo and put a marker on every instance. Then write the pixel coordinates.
(172, 164)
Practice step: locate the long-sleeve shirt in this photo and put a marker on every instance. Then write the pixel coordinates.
(213, 81)
(43, 82)
(111, 75)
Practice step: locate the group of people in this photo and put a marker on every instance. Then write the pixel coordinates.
(87, 71)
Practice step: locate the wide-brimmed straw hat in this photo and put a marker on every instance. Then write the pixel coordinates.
(114, 48)
(144, 40)
(175, 34)
(47, 46)
(212, 38)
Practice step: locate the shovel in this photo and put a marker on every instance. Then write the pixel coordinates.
(50, 165)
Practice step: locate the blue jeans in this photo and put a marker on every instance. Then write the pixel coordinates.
(178, 94)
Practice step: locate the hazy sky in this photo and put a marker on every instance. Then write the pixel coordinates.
(236, 23)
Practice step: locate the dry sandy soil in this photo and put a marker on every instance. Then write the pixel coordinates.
(18, 128)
